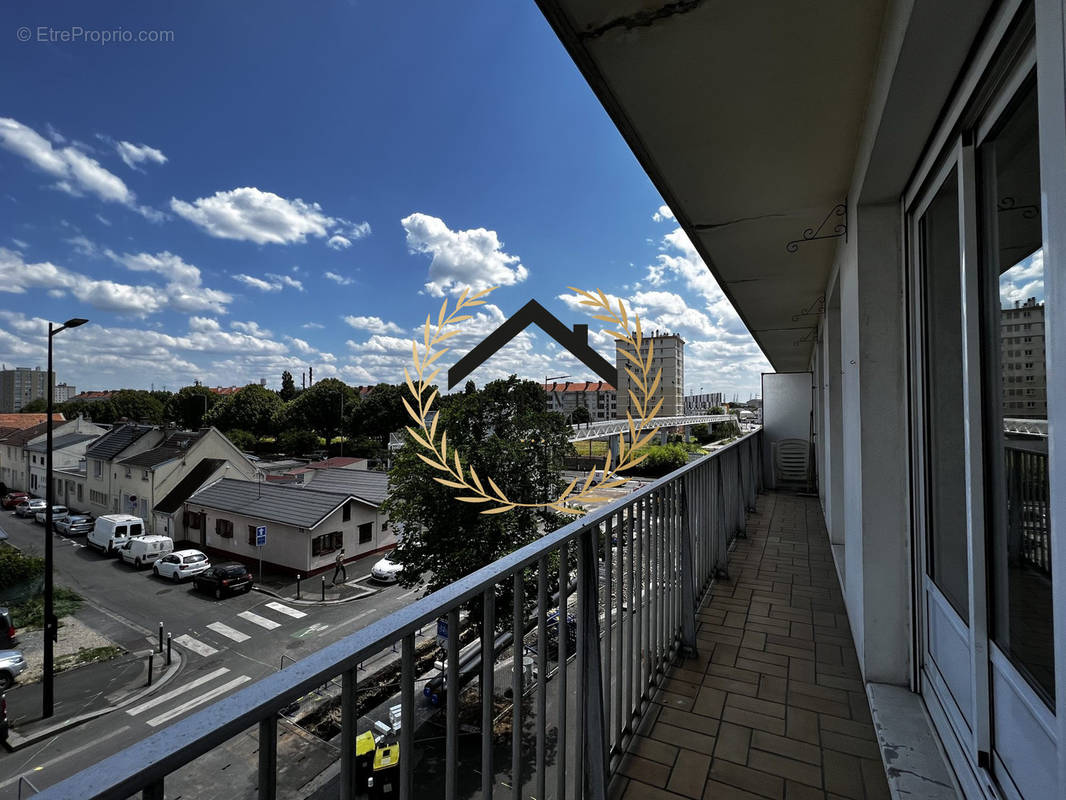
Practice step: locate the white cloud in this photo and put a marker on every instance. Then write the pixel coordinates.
(258, 283)
(373, 324)
(20, 244)
(471, 258)
(203, 324)
(301, 347)
(136, 154)
(53, 134)
(355, 230)
(285, 280)
(250, 214)
(104, 220)
(251, 328)
(75, 172)
(338, 242)
(17, 275)
(664, 213)
(312, 326)
(184, 289)
(83, 246)
(333, 276)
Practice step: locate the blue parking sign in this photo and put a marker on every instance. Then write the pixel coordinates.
(261, 536)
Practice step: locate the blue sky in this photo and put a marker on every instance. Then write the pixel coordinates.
(276, 189)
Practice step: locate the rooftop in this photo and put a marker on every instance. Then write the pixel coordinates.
(174, 446)
(289, 505)
(116, 440)
(20, 421)
(367, 485)
(60, 442)
(586, 386)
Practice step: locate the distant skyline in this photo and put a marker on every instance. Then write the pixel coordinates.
(275, 190)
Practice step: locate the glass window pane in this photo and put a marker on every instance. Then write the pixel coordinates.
(1019, 515)
(948, 559)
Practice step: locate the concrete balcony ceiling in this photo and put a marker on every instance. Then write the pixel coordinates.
(748, 118)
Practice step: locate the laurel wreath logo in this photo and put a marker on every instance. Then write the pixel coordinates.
(447, 459)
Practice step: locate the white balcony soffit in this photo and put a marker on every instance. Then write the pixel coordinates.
(748, 117)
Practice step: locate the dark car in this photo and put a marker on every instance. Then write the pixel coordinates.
(74, 525)
(228, 577)
(12, 499)
(8, 638)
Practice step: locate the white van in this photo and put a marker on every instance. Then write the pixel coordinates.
(112, 531)
(143, 550)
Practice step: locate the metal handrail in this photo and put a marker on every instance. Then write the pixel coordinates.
(698, 505)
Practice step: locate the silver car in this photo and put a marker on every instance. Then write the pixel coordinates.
(12, 664)
(58, 512)
(27, 508)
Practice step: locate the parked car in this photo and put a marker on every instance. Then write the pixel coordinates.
(112, 530)
(12, 664)
(12, 499)
(181, 564)
(30, 506)
(386, 570)
(74, 525)
(143, 550)
(229, 577)
(8, 633)
(3, 718)
(58, 512)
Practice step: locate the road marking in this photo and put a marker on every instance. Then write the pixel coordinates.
(195, 645)
(68, 753)
(408, 594)
(284, 609)
(228, 632)
(316, 628)
(218, 673)
(262, 622)
(179, 710)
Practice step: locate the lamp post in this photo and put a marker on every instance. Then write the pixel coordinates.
(51, 624)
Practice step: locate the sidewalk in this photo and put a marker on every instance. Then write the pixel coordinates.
(84, 693)
(319, 589)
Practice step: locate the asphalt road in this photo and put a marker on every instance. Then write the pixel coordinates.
(226, 645)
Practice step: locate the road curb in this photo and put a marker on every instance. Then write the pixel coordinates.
(361, 596)
(15, 741)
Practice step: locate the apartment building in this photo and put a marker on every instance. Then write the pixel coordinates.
(62, 392)
(667, 354)
(20, 385)
(702, 403)
(1021, 336)
(598, 397)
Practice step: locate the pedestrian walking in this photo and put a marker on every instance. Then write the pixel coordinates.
(340, 570)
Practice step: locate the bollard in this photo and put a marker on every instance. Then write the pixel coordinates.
(160, 637)
(168, 648)
(151, 658)
(297, 585)
(323, 588)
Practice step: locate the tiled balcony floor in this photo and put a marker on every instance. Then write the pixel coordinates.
(773, 706)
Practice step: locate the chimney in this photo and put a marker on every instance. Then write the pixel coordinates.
(310, 376)
(303, 380)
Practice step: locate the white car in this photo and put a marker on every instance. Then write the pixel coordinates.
(28, 507)
(181, 564)
(58, 512)
(386, 570)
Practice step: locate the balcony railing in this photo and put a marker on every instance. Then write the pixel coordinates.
(627, 578)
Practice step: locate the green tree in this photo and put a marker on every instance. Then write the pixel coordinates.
(189, 405)
(504, 432)
(288, 387)
(581, 415)
(662, 459)
(253, 408)
(323, 408)
(38, 405)
(137, 405)
(381, 413)
(716, 410)
(297, 443)
(102, 411)
(242, 440)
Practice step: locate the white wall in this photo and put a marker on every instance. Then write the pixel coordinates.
(786, 412)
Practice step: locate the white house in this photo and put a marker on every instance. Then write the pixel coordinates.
(306, 527)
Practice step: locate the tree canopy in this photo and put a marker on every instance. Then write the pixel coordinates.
(189, 405)
(254, 409)
(288, 387)
(381, 413)
(503, 431)
(322, 408)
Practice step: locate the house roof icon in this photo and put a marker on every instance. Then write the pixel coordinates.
(533, 313)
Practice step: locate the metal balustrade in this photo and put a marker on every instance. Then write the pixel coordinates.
(631, 575)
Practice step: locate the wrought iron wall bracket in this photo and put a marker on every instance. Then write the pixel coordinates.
(813, 234)
(815, 309)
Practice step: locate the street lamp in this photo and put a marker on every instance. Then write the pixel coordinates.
(51, 624)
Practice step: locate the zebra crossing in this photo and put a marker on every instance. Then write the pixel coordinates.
(176, 702)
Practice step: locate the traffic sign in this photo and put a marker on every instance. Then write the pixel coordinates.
(261, 536)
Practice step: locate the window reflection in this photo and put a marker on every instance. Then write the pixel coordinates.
(1019, 514)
